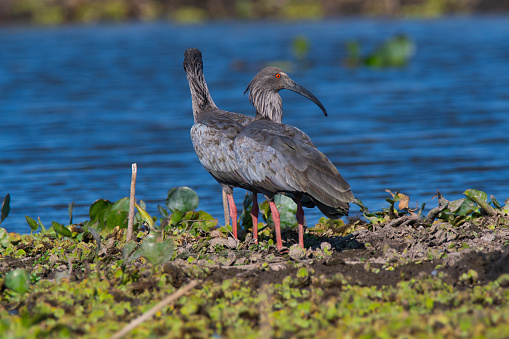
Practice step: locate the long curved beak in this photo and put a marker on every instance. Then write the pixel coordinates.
(295, 87)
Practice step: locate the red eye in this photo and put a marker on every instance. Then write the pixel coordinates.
(278, 75)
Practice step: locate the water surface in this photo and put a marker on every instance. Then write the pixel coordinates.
(80, 104)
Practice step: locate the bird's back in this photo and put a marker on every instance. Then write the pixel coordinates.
(212, 136)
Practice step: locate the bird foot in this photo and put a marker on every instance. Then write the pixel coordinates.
(283, 250)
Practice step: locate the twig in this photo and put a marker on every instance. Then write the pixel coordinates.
(169, 299)
(131, 203)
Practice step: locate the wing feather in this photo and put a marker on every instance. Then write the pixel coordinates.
(279, 158)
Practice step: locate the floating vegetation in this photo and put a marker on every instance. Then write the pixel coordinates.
(397, 273)
(395, 52)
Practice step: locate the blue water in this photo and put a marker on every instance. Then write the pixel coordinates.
(80, 104)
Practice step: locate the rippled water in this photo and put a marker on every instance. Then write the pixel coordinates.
(78, 105)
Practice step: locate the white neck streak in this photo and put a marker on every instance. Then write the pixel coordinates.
(268, 104)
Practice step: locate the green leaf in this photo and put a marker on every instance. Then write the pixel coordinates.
(467, 208)
(245, 217)
(61, 229)
(157, 252)
(5, 240)
(191, 215)
(100, 210)
(17, 280)
(128, 250)
(162, 211)
(495, 202)
(480, 198)
(5, 208)
(176, 217)
(121, 205)
(182, 198)
(265, 210)
(117, 218)
(32, 223)
(97, 239)
(208, 222)
(287, 209)
(476, 195)
(43, 229)
(144, 215)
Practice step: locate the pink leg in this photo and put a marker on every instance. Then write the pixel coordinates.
(275, 217)
(300, 221)
(233, 214)
(254, 217)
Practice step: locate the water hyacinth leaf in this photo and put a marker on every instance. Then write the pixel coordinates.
(32, 223)
(183, 199)
(359, 203)
(191, 215)
(207, 221)
(480, 198)
(265, 209)
(43, 229)
(456, 204)
(5, 208)
(371, 217)
(248, 200)
(128, 250)
(495, 202)
(138, 218)
(97, 239)
(162, 211)
(245, 217)
(287, 219)
(394, 52)
(17, 280)
(117, 218)
(61, 229)
(467, 208)
(5, 240)
(476, 195)
(287, 209)
(284, 202)
(176, 217)
(121, 205)
(300, 46)
(157, 251)
(99, 210)
(144, 215)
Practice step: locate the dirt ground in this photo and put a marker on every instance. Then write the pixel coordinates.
(388, 255)
(380, 257)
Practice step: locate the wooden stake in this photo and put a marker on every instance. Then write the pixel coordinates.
(130, 222)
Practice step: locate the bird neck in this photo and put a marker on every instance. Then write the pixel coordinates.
(268, 104)
(200, 94)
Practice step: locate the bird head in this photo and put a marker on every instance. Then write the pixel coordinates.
(273, 79)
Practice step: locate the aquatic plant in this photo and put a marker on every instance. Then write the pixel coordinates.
(94, 284)
(394, 52)
(457, 212)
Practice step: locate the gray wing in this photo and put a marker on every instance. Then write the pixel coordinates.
(280, 158)
(212, 139)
